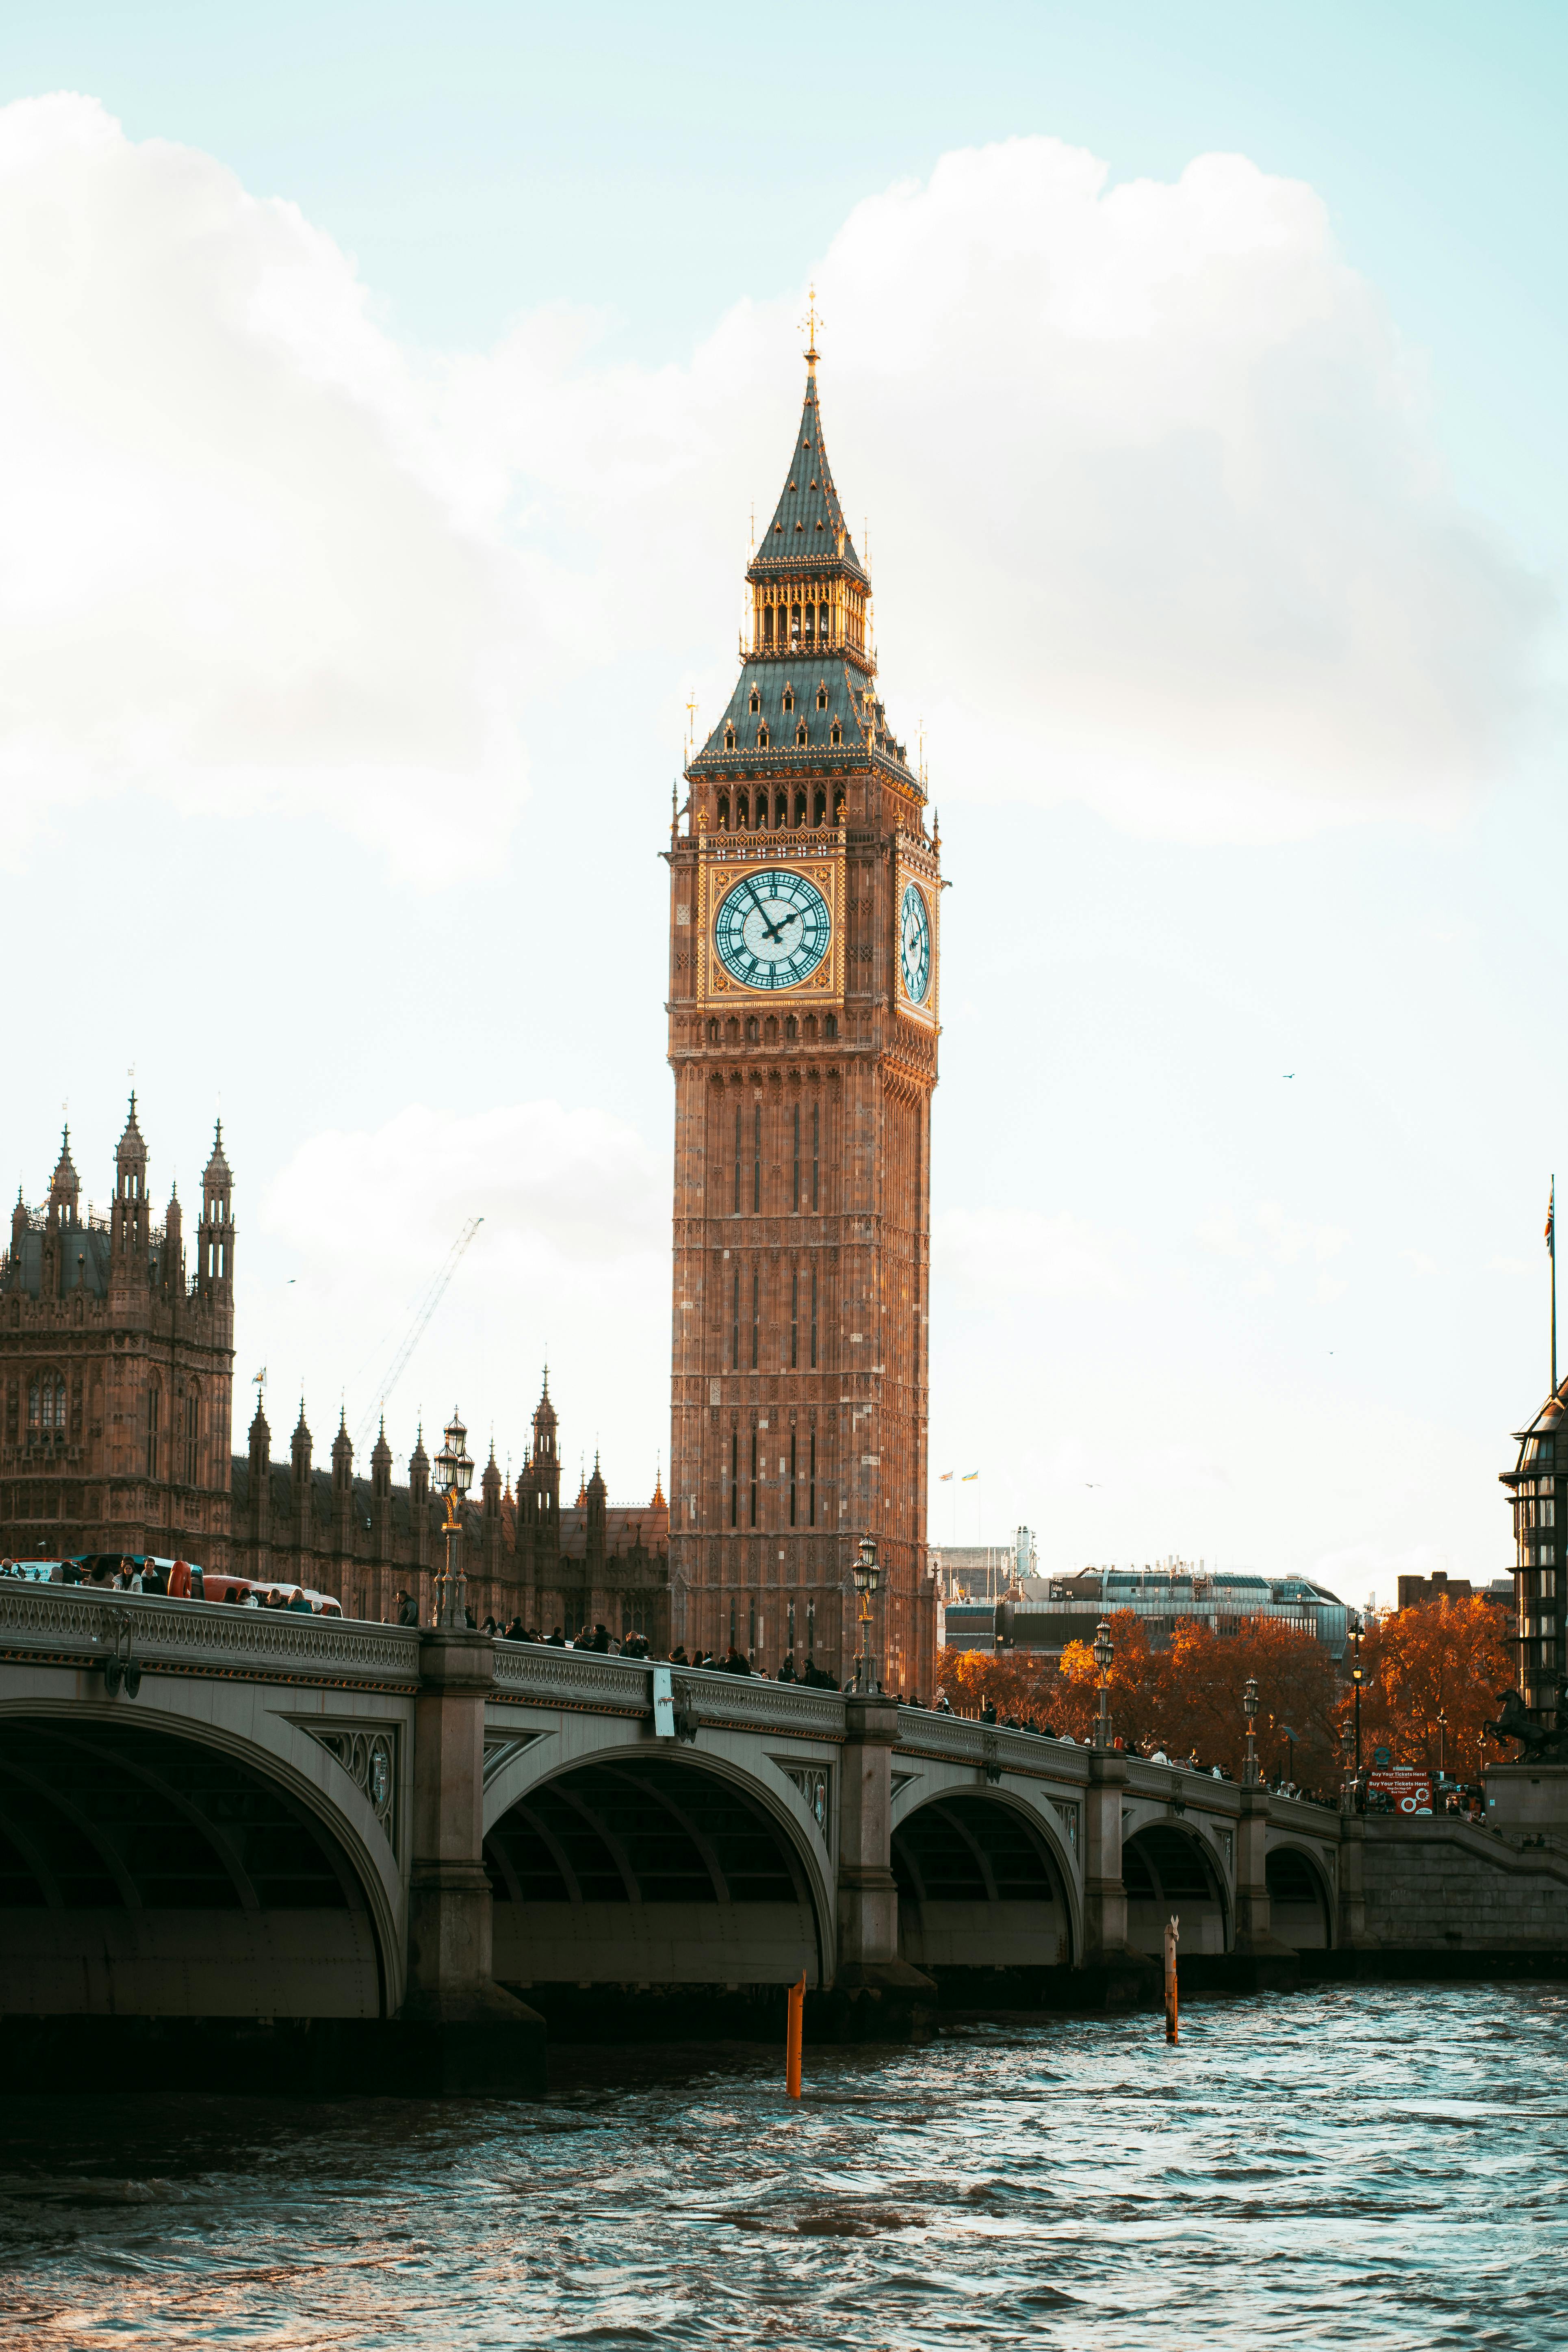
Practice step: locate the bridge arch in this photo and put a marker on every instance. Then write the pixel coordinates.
(1167, 1868)
(156, 1863)
(983, 1883)
(633, 1864)
(1301, 1900)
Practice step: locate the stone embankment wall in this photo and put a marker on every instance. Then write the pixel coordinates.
(1439, 1885)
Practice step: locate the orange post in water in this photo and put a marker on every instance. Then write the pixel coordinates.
(792, 2038)
(1171, 2026)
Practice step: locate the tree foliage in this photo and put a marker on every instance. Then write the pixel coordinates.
(1449, 1656)
(1185, 1699)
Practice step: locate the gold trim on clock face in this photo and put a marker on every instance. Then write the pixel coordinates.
(772, 930)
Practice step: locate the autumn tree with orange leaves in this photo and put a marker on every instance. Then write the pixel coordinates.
(1448, 1658)
(1185, 1699)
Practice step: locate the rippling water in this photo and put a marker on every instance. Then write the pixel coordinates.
(1363, 2165)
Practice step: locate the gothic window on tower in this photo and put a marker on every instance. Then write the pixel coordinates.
(734, 1472)
(794, 1179)
(153, 1401)
(757, 702)
(836, 737)
(830, 1026)
(781, 809)
(756, 1338)
(732, 1031)
(791, 1478)
(713, 1033)
(742, 812)
(800, 735)
(822, 697)
(788, 700)
(792, 1028)
(800, 806)
(795, 1321)
(737, 1159)
(815, 1155)
(767, 625)
(762, 745)
(771, 1030)
(729, 739)
(724, 797)
(795, 619)
(838, 805)
(193, 1426)
(735, 1325)
(814, 1345)
(752, 1031)
(753, 1474)
(757, 1158)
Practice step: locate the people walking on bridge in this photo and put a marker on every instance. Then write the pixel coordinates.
(407, 1614)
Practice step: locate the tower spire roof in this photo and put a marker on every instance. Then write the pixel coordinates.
(808, 527)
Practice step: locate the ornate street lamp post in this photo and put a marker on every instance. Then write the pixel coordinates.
(1442, 1741)
(1347, 1744)
(1249, 1709)
(1355, 1685)
(868, 1576)
(454, 1475)
(1103, 1654)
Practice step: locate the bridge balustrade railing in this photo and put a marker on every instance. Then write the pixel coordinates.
(51, 1624)
(584, 1682)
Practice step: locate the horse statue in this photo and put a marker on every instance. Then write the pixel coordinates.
(1538, 1746)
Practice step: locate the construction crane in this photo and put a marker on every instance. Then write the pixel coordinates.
(417, 1329)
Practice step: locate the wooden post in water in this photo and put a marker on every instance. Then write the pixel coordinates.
(792, 2037)
(1172, 1930)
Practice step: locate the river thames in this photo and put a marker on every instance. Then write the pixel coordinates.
(1368, 2165)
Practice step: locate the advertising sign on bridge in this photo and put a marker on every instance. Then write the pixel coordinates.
(1408, 1786)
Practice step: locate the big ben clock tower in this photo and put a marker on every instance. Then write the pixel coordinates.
(804, 898)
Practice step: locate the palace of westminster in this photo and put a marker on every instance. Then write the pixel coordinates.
(803, 928)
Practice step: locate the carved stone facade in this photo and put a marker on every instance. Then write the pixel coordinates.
(365, 1540)
(116, 1368)
(804, 898)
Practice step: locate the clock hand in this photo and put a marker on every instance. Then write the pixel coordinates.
(772, 930)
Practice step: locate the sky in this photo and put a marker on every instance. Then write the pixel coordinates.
(385, 395)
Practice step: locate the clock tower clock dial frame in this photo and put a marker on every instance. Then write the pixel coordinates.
(805, 1065)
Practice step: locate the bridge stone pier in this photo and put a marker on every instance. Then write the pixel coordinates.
(343, 1852)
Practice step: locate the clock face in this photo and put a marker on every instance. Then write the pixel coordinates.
(914, 945)
(772, 930)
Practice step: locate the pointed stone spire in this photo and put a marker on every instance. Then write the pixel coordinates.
(131, 1151)
(65, 1187)
(658, 1502)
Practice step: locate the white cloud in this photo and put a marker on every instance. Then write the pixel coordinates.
(1158, 525)
(230, 566)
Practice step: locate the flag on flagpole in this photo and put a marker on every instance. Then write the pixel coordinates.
(945, 1476)
(968, 1476)
(1550, 1217)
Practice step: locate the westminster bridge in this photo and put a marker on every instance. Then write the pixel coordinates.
(434, 1839)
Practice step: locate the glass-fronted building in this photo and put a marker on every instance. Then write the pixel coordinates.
(1533, 1488)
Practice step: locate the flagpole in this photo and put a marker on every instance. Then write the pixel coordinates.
(1551, 1245)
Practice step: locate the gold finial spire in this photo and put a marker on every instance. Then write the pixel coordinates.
(811, 322)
